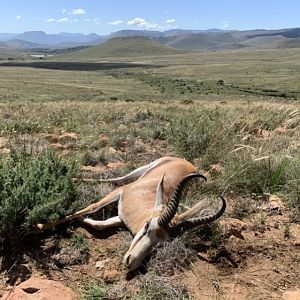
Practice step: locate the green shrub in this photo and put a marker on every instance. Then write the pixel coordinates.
(79, 242)
(95, 291)
(34, 189)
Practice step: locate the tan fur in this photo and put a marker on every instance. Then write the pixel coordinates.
(138, 197)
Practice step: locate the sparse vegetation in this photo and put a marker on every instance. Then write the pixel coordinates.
(95, 291)
(237, 123)
(153, 287)
(80, 243)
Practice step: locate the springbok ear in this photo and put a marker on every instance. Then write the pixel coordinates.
(159, 195)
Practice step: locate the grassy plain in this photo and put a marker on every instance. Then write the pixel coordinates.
(234, 114)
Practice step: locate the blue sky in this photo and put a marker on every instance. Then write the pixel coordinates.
(103, 17)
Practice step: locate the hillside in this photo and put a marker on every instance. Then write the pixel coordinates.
(207, 40)
(231, 40)
(122, 47)
(201, 41)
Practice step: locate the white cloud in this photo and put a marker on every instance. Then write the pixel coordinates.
(78, 11)
(116, 22)
(93, 20)
(225, 25)
(170, 21)
(64, 10)
(63, 20)
(18, 17)
(142, 23)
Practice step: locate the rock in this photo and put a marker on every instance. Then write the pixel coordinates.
(273, 203)
(5, 151)
(122, 127)
(233, 227)
(57, 146)
(69, 256)
(103, 137)
(68, 136)
(295, 232)
(100, 264)
(116, 165)
(280, 130)
(93, 169)
(3, 141)
(216, 169)
(110, 276)
(139, 142)
(52, 138)
(41, 289)
(262, 133)
(112, 150)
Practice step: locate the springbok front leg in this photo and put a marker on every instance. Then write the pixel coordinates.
(100, 225)
(91, 209)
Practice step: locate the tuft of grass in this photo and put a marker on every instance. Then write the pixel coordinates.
(153, 287)
(170, 257)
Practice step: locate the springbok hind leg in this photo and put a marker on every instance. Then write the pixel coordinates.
(134, 175)
(110, 198)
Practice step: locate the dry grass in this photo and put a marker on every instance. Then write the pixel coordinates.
(246, 144)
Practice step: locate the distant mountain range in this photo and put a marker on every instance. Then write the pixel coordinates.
(212, 39)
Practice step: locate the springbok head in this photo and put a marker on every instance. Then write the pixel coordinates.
(159, 227)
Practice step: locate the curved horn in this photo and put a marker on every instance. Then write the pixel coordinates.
(169, 212)
(207, 219)
(194, 222)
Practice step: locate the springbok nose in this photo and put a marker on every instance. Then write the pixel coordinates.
(127, 260)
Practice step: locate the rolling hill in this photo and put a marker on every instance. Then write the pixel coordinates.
(122, 47)
(146, 42)
(201, 41)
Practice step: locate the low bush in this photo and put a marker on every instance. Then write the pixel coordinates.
(34, 189)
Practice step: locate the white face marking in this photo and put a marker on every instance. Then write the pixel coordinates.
(143, 243)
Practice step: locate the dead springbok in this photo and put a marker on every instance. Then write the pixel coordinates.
(147, 206)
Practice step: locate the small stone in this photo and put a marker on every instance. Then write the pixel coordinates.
(57, 146)
(122, 127)
(233, 227)
(52, 138)
(3, 141)
(116, 165)
(5, 151)
(103, 137)
(280, 130)
(139, 142)
(93, 169)
(112, 150)
(68, 136)
(100, 264)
